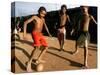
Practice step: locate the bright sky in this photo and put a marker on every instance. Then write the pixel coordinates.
(27, 8)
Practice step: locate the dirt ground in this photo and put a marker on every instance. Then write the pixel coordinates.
(55, 60)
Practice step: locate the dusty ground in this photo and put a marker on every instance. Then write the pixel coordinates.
(55, 60)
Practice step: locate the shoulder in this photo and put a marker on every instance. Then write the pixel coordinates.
(90, 16)
(34, 17)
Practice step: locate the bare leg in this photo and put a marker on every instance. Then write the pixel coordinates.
(43, 51)
(62, 42)
(86, 54)
(59, 39)
(41, 48)
(30, 60)
(76, 49)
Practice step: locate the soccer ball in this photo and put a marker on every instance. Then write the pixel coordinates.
(39, 67)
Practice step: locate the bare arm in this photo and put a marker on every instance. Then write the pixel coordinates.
(26, 22)
(68, 18)
(93, 19)
(47, 28)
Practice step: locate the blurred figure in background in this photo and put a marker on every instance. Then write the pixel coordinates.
(64, 18)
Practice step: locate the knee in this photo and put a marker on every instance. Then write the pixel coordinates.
(86, 43)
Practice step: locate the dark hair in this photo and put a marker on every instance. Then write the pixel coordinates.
(41, 9)
(63, 6)
(84, 6)
(61, 11)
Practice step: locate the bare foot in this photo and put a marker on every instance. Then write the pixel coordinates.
(85, 67)
(61, 49)
(75, 52)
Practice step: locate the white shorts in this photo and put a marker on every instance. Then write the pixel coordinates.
(60, 31)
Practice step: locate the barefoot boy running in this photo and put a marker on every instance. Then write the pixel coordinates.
(39, 39)
(83, 34)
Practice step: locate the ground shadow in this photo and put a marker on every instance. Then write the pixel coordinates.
(23, 50)
(54, 48)
(72, 63)
(21, 65)
(92, 47)
(24, 41)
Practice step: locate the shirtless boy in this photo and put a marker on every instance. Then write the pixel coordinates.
(83, 34)
(64, 18)
(39, 39)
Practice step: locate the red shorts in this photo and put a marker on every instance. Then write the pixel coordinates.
(39, 39)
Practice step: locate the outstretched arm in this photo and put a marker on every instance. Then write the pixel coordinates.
(93, 19)
(47, 29)
(25, 24)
